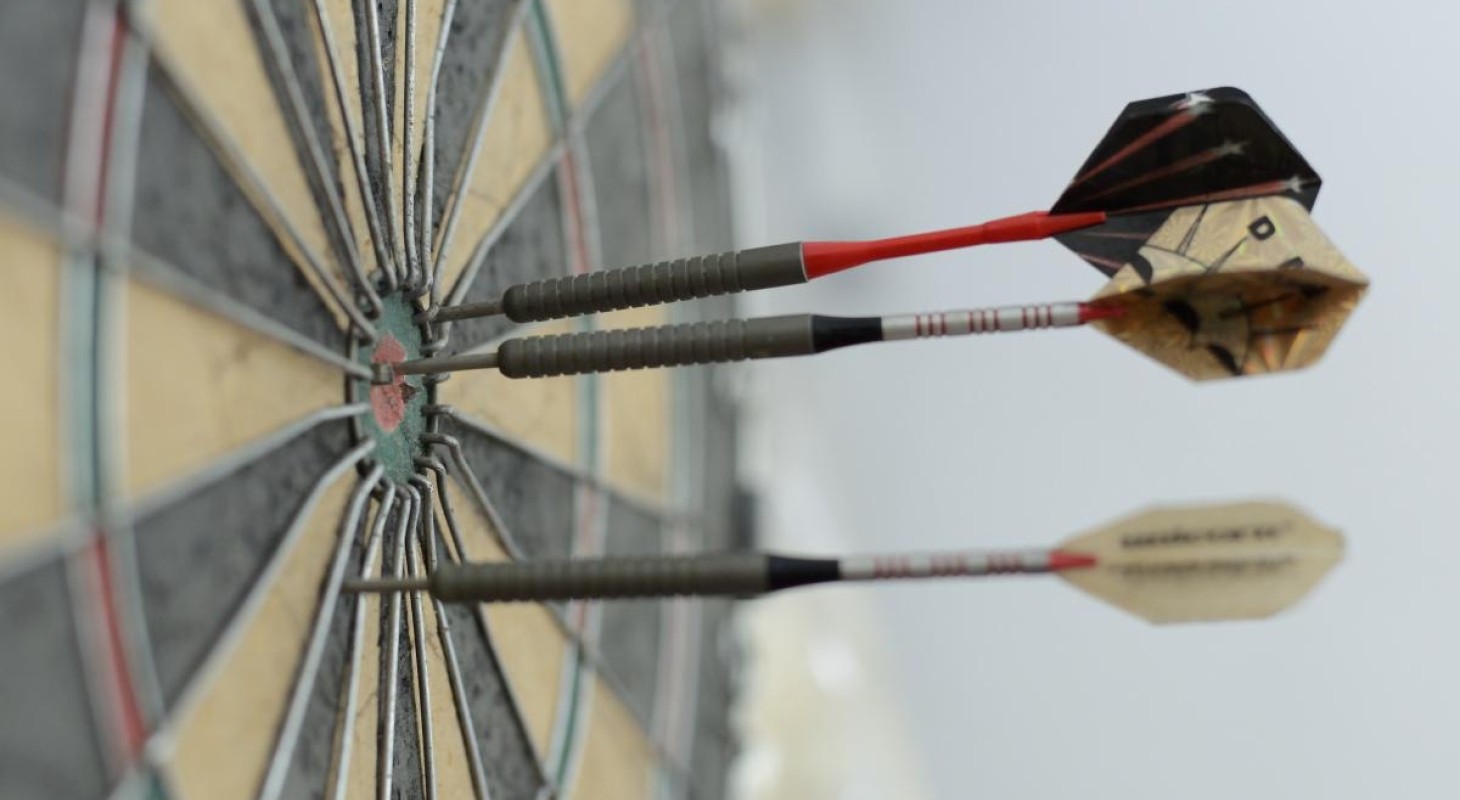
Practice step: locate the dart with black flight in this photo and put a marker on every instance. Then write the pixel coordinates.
(1224, 289)
(1175, 564)
(1159, 155)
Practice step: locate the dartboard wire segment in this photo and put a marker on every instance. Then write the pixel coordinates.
(1160, 155)
(219, 216)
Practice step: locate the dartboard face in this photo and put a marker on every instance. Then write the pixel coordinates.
(215, 216)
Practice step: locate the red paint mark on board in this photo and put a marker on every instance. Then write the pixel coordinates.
(389, 401)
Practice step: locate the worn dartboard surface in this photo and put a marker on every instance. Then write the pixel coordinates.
(213, 215)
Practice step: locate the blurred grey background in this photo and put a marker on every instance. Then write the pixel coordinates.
(860, 118)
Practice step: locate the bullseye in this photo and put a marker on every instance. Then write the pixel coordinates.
(389, 401)
(397, 408)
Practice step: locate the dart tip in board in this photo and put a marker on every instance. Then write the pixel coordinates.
(1060, 560)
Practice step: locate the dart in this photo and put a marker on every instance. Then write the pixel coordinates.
(736, 340)
(1171, 564)
(1221, 290)
(1159, 155)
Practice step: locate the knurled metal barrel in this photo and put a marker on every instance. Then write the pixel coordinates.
(649, 576)
(651, 284)
(663, 346)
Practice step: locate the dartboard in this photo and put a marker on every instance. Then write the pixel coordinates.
(216, 215)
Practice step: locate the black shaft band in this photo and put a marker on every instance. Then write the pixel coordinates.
(785, 571)
(830, 333)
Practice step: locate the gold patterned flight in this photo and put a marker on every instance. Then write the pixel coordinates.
(1237, 288)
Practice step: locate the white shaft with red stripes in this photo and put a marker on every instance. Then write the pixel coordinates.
(952, 565)
(987, 320)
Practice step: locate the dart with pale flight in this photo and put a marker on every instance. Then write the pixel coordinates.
(1219, 290)
(1159, 155)
(1167, 564)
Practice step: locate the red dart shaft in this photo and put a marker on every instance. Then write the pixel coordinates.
(824, 258)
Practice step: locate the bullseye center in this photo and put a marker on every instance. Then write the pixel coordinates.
(389, 402)
(396, 419)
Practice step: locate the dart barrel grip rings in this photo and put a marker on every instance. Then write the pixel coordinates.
(652, 284)
(540, 581)
(664, 346)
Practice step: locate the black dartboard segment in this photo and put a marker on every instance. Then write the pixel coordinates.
(36, 71)
(49, 745)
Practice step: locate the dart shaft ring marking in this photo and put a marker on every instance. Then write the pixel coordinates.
(981, 320)
(942, 565)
